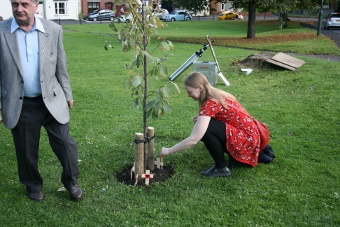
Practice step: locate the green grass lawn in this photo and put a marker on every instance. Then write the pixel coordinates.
(301, 108)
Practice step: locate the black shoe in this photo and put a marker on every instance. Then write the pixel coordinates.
(264, 158)
(212, 169)
(76, 193)
(268, 150)
(217, 172)
(36, 196)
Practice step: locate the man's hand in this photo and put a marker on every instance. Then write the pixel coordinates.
(70, 103)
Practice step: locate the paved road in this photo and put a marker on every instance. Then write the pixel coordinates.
(333, 34)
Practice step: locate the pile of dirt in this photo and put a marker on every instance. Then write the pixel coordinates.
(254, 61)
(159, 175)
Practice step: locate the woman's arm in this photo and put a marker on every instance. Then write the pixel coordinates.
(196, 135)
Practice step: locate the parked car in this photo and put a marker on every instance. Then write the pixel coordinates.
(124, 19)
(332, 21)
(161, 13)
(228, 15)
(101, 14)
(177, 15)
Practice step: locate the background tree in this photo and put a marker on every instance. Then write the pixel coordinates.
(251, 5)
(281, 7)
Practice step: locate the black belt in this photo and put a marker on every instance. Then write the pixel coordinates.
(32, 98)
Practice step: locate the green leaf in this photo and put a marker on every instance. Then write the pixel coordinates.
(176, 86)
(166, 107)
(167, 91)
(136, 103)
(147, 54)
(166, 46)
(113, 27)
(159, 95)
(162, 70)
(150, 105)
(138, 61)
(158, 110)
(137, 80)
(171, 45)
(149, 113)
(150, 57)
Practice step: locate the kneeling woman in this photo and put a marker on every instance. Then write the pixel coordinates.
(222, 124)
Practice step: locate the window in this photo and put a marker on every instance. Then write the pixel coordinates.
(223, 6)
(108, 5)
(92, 6)
(60, 8)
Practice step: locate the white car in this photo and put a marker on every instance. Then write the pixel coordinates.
(123, 19)
(332, 21)
(161, 13)
(177, 15)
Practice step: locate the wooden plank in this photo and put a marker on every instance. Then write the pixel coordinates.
(280, 64)
(288, 60)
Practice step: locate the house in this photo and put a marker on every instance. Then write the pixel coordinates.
(88, 6)
(50, 9)
(66, 9)
(70, 9)
(219, 7)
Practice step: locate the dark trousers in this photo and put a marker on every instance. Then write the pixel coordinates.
(26, 136)
(215, 141)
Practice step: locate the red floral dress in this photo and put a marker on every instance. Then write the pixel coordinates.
(243, 140)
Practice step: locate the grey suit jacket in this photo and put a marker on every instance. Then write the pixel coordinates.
(54, 78)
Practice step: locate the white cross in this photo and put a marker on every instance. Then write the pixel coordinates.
(159, 163)
(147, 176)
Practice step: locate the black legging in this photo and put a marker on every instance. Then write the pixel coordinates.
(215, 141)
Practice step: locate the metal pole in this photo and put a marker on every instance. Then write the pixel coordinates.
(320, 19)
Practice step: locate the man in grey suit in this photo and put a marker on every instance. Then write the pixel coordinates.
(35, 91)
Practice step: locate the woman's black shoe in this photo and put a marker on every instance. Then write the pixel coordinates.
(217, 172)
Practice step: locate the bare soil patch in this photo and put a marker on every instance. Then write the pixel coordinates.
(159, 175)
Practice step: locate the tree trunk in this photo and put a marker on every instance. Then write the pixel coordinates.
(251, 19)
(145, 71)
(285, 19)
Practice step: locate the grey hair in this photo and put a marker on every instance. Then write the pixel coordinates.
(35, 1)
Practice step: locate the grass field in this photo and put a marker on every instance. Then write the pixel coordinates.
(301, 108)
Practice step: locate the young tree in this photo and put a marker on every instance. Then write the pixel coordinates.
(135, 36)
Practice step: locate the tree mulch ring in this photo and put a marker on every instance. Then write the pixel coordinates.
(159, 175)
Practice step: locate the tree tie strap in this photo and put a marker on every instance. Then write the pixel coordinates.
(139, 141)
(149, 138)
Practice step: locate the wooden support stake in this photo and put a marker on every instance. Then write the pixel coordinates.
(139, 155)
(151, 146)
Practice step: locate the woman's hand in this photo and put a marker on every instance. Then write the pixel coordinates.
(165, 151)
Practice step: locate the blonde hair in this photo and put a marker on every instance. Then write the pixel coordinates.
(197, 79)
